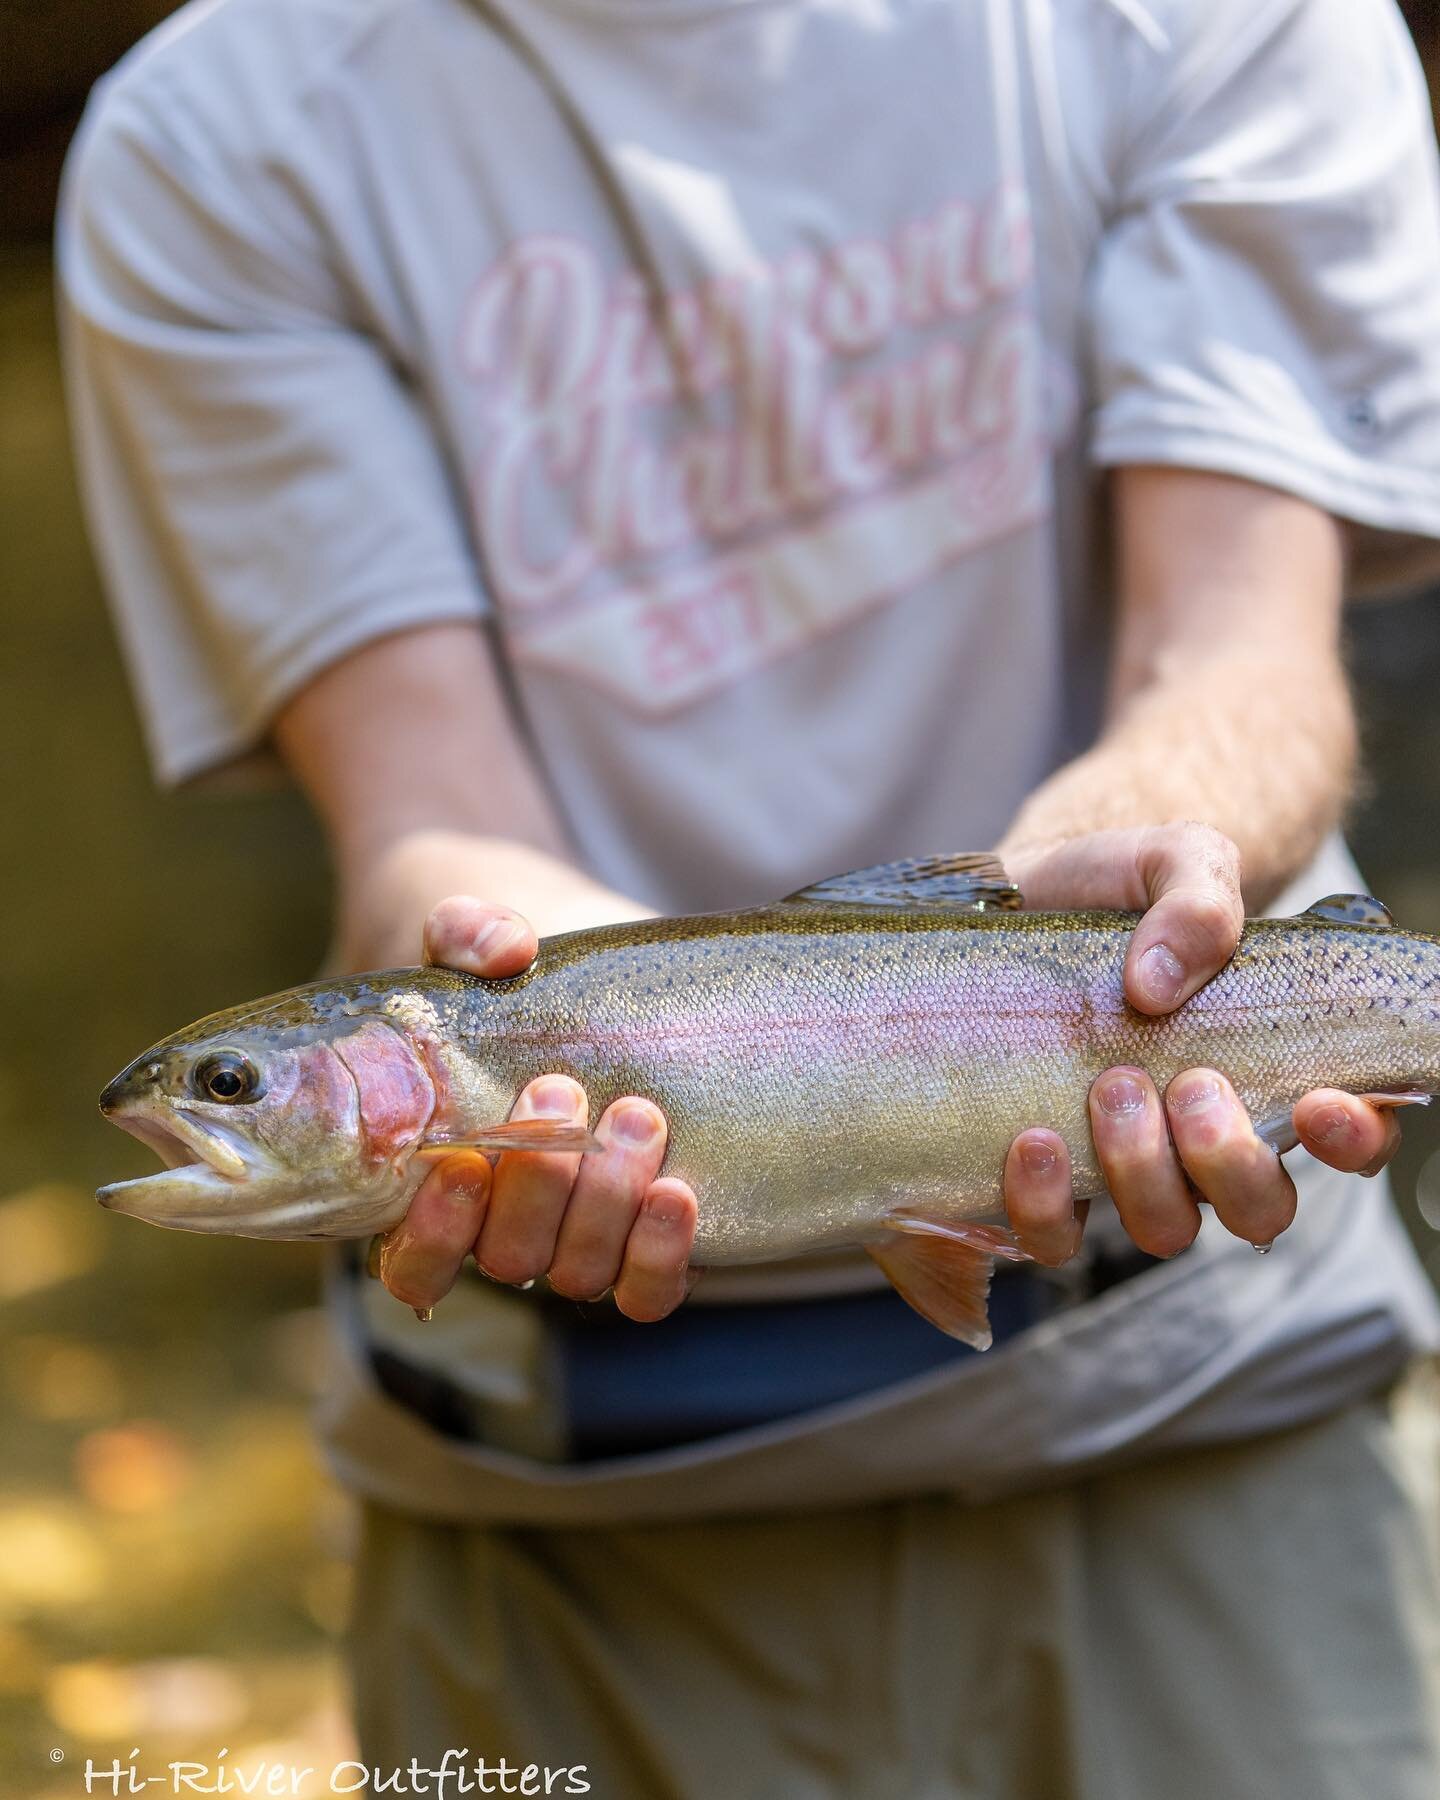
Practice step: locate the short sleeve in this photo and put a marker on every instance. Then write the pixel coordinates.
(264, 490)
(1266, 298)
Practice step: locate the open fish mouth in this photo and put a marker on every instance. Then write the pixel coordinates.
(212, 1183)
(194, 1155)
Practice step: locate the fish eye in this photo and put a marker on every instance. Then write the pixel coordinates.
(226, 1076)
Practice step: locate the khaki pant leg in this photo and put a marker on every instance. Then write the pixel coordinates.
(885, 1652)
(1252, 1621)
(668, 1660)
(1261, 1623)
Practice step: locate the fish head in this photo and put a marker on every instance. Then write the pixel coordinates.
(286, 1125)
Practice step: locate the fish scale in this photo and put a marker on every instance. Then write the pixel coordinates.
(817, 1072)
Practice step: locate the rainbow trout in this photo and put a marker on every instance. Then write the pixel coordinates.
(846, 1067)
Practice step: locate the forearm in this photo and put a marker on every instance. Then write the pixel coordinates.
(1229, 703)
(1264, 752)
(408, 752)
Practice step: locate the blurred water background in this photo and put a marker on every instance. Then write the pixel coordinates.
(172, 1568)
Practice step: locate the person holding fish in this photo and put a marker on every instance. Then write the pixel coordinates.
(617, 491)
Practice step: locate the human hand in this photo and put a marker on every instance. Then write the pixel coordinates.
(1162, 1154)
(385, 895)
(588, 1224)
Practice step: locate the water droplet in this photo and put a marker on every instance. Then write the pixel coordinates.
(1263, 1249)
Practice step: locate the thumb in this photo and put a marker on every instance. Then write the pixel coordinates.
(1191, 875)
(478, 938)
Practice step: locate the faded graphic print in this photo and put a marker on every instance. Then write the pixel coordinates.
(675, 491)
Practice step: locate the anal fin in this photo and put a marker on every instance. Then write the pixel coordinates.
(944, 1271)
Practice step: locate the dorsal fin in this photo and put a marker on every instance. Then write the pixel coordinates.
(1350, 909)
(976, 883)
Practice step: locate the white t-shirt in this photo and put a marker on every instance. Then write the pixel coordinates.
(749, 366)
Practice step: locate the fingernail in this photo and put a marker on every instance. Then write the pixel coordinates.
(635, 1125)
(551, 1100)
(495, 937)
(1162, 975)
(1037, 1157)
(1333, 1127)
(664, 1210)
(468, 1192)
(1119, 1095)
(463, 1187)
(1195, 1094)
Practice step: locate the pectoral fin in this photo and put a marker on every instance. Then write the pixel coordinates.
(517, 1134)
(944, 1271)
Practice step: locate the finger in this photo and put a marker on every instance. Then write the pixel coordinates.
(1196, 913)
(531, 1187)
(480, 939)
(1241, 1177)
(652, 1272)
(607, 1195)
(1038, 1197)
(422, 1255)
(1345, 1132)
(1132, 1142)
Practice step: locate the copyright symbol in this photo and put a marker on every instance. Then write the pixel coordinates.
(57, 1755)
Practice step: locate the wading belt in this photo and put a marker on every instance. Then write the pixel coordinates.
(625, 1388)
